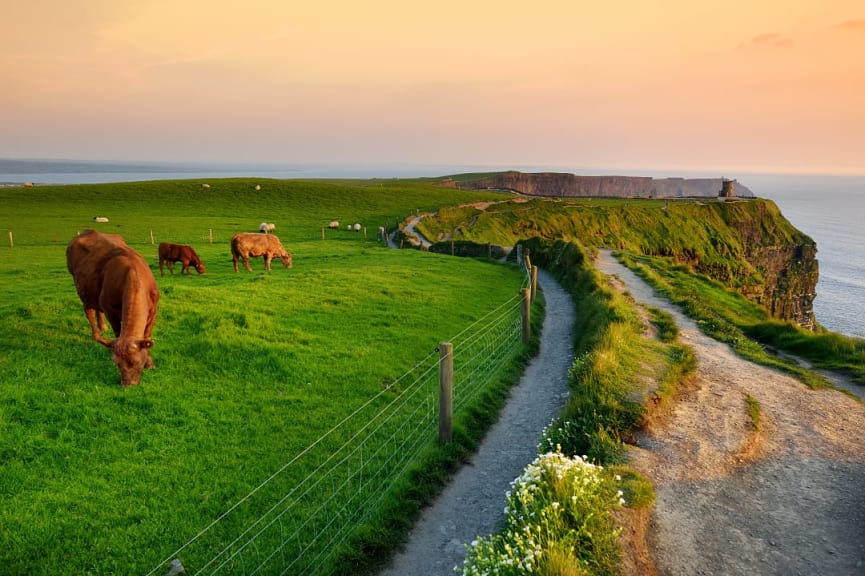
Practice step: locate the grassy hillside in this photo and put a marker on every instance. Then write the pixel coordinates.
(251, 367)
(708, 234)
(722, 261)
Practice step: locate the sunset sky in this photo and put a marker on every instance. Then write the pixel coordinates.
(664, 85)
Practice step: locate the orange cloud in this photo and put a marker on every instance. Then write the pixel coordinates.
(770, 40)
(852, 25)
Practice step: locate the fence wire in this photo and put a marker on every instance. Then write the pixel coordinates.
(351, 469)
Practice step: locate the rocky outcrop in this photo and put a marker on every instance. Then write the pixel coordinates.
(562, 184)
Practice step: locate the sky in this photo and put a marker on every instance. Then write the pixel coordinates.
(716, 86)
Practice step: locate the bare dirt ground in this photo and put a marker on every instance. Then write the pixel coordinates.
(787, 498)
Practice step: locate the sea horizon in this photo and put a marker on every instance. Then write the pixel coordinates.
(49, 171)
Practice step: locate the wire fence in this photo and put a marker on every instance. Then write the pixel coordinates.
(345, 474)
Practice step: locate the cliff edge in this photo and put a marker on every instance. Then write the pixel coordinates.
(747, 245)
(565, 185)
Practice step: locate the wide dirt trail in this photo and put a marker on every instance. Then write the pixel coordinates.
(786, 499)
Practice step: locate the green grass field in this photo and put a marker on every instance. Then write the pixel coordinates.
(251, 368)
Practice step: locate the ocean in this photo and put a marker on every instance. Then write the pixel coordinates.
(829, 209)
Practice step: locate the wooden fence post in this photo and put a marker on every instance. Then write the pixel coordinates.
(534, 282)
(151, 237)
(11, 243)
(527, 318)
(446, 391)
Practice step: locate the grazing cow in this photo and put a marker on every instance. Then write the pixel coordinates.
(245, 245)
(114, 281)
(170, 253)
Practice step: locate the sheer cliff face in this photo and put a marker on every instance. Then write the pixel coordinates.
(563, 185)
(784, 257)
(790, 272)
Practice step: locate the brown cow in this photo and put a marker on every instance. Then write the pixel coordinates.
(113, 279)
(248, 245)
(170, 253)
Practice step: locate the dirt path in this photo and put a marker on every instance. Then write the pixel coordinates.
(786, 499)
(473, 503)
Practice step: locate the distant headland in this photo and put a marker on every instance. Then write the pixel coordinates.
(563, 184)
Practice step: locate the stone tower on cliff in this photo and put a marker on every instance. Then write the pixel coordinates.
(728, 189)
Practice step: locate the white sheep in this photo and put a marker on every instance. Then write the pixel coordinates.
(100, 219)
(333, 224)
(357, 227)
(205, 185)
(258, 186)
(266, 227)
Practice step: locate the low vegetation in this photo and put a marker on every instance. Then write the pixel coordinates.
(747, 327)
(556, 523)
(251, 368)
(752, 406)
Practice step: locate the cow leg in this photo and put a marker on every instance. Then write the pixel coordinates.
(160, 267)
(246, 263)
(185, 269)
(97, 324)
(266, 262)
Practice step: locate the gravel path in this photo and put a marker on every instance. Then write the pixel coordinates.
(786, 499)
(473, 503)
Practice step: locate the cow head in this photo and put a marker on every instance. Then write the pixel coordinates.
(131, 357)
(286, 260)
(199, 266)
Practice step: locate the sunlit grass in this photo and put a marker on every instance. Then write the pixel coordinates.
(251, 367)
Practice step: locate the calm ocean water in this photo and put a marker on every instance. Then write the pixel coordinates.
(830, 209)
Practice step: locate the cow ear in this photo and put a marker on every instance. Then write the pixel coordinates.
(146, 344)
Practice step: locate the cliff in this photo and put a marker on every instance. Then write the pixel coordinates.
(746, 245)
(564, 185)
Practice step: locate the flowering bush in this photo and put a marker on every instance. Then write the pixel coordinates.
(583, 433)
(558, 522)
